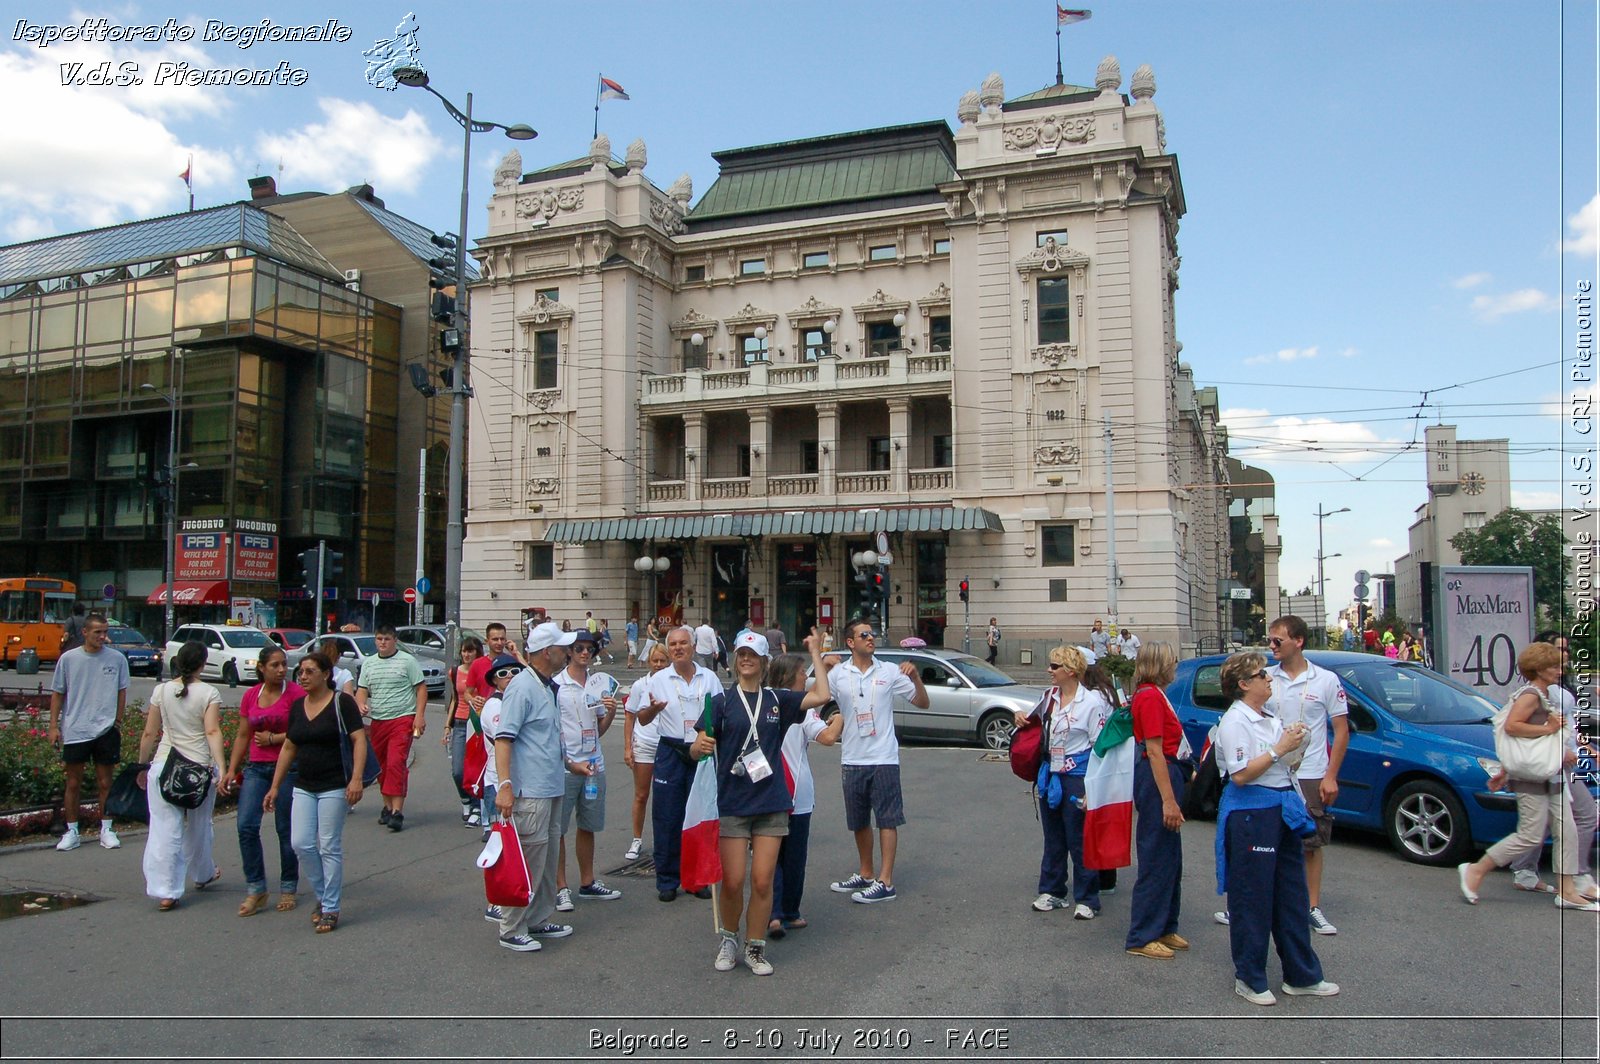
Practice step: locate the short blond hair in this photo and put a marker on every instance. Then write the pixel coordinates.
(1157, 663)
(1537, 657)
(1239, 668)
(1071, 657)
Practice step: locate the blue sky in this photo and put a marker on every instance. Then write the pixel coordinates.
(1387, 201)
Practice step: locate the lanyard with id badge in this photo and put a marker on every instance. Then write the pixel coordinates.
(752, 762)
(866, 723)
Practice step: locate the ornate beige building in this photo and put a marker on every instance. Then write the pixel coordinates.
(927, 335)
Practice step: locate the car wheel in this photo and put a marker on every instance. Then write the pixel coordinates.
(994, 731)
(230, 675)
(1427, 825)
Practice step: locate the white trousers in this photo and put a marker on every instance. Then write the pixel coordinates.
(178, 849)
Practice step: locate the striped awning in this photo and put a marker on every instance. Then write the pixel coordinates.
(778, 523)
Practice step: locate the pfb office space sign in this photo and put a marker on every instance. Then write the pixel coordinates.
(1484, 617)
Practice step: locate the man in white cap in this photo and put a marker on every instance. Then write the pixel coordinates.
(530, 763)
(678, 697)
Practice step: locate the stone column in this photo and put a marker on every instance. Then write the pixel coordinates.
(694, 445)
(760, 450)
(827, 448)
(899, 445)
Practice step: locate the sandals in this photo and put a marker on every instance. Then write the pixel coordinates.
(252, 904)
(327, 922)
(215, 875)
(286, 902)
(167, 905)
(796, 924)
(775, 930)
(316, 915)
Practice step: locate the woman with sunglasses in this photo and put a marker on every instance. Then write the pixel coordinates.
(1261, 863)
(1072, 714)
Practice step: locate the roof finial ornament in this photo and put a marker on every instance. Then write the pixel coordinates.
(992, 93)
(1143, 85)
(969, 108)
(600, 150)
(681, 190)
(1108, 76)
(509, 172)
(637, 156)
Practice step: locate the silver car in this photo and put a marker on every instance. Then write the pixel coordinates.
(968, 699)
(428, 640)
(356, 649)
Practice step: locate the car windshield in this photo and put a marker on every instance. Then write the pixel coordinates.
(127, 636)
(295, 637)
(1416, 695)
(367, 645)
(241, 638)
(981, 673)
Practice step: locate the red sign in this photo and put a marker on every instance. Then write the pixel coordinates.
(410, 596)
(825, 611)
(255, 558)
(758, 613)
(201, 556)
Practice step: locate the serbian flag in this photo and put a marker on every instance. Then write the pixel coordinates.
(1108, 796)
(188, 172)
(1066, 16)
(610, 90)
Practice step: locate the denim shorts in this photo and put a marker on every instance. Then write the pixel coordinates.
(874, 790)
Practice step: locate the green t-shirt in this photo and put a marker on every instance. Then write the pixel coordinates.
(391, 685)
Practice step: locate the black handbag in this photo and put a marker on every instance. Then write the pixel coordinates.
(185, 783)
(347, 754)
(127, 800)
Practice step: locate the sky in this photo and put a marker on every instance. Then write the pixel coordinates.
(1390, 205)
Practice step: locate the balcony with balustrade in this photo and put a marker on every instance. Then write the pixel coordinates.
(764, 382)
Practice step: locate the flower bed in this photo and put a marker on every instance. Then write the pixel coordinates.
(31, 773)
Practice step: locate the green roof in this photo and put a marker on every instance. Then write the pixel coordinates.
(871, 164)
(1053, 92)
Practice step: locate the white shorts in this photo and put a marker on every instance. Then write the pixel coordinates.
(644, 748)
(633, 648)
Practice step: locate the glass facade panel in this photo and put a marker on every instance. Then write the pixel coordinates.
(344, 385)
(202, 301)
(152, 308)
(14, 326)
(105, 320)
(58, 322)
(102, 382)
(207, 431)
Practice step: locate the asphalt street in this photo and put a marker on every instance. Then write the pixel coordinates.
(959, 967)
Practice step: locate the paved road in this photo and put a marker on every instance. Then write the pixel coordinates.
(413, 961)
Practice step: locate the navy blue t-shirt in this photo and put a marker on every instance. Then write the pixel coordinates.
(778, 710)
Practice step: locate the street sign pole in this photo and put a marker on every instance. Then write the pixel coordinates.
(322, 565)
(966, 636)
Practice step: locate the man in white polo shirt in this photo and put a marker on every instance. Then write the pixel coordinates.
(677, 697)
(1303, 692)
(865, 689)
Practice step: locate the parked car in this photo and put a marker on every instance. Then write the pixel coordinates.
(356, 649)
(231, 650)
(143, 655)
(968, 699)
(289, 638)
(428, 640)
(1420, 756)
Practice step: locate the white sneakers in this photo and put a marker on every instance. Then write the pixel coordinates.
(109, 840)
(73, 839)
(727, 954)
(1046, 902)
(69, 841)
(1318, 989)
(1083, 912)
(1255, 997)
(564, 900)
(634, 849)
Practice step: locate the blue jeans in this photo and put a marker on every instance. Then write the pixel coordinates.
(1063, 842)
(459, 731)
(789, 881)
(257, 781)
(669, 796)
(318, 834)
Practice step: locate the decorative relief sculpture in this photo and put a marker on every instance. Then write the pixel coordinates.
(544, 310)
(1052, 257)
(940, 294)
(545, 399)
(1048, 133)
(668, 214)
(544, 485)
(1055, 355)
(1055, 454)
(546, 203)
(1108, 76)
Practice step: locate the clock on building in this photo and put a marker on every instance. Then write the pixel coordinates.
(1472, 483)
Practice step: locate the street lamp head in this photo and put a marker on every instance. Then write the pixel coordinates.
(520, 131)
(411, 76)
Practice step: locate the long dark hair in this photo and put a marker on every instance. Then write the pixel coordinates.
(190, 659)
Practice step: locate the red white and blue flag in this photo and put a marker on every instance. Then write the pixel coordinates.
(1066, 16)
(700, 858)
(188, 173)
(610, 90)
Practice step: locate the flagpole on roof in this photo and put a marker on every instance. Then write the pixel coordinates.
(599, 84)
(1059, 79)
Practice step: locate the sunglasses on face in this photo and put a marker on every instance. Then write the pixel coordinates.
(1262, 675)
(1277, 641)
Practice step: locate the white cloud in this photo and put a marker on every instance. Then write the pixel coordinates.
(1491, 307)
(87, 156)
(1287, 354)
(1471, 280)
(1585, 229)
(1535, 500)
(1348, 352)
(354, 143)
(1259, 434)
(1381, 543)
(1552, 404)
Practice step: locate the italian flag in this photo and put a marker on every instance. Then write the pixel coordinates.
(700, 859)
(1108, 801)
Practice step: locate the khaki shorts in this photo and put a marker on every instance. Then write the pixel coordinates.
(743, 827)
(1311, 791)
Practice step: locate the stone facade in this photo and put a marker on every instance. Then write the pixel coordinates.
(913, 354)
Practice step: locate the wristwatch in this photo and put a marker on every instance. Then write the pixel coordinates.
(1274, 755)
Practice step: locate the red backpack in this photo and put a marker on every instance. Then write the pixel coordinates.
(1027, 750)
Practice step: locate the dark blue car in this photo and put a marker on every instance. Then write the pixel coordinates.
(143, 656)
(1420, 755)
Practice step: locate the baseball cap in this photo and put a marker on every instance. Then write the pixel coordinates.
(751, 641)
(504, 661)
(549, 634)
(583, 635)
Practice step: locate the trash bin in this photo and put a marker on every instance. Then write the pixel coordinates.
(28, 662)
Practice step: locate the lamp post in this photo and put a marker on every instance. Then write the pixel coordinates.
(653, 568)
(1322, 580)
(171, 399)
(417, 78)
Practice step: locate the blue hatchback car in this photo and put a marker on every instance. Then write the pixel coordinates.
(1420, 755)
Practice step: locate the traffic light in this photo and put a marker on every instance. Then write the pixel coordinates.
(861, 578)
(443, 308)
(879, 583)
(308, 571)
(333, 574)
(965, 587)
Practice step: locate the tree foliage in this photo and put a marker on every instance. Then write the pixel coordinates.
(1515, 537)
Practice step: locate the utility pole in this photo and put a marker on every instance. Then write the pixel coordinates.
(1111, 530)
(322, 563)
(422, 500)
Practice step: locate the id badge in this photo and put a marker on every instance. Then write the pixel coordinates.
(1058, 759)
(688, 731)
(590, 740)
(865, 725)
(755, 765)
